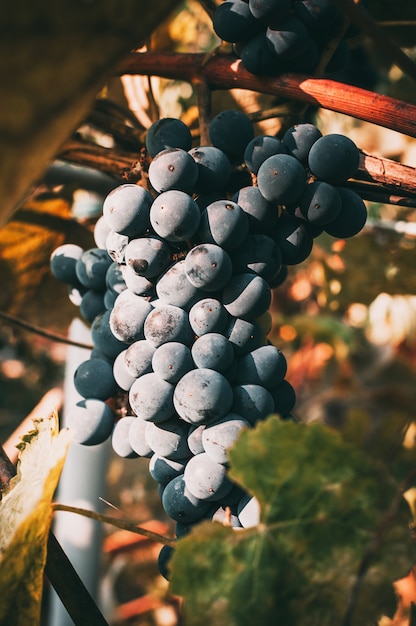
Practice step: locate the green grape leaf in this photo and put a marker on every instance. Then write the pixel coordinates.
(323, 507)
(25, 517)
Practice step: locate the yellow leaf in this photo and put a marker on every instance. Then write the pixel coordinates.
(25, 517)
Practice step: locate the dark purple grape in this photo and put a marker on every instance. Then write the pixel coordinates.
(138, 357)
(299, 139)
(265, 366)
(284, 398)
(220, 436)
(206, 479)
(92, 304)
(289, 38)
(233, 21)
(174, 287)
(126, 209)
(169, 439)
(244, 335)
(120, 441)
(213, 351)
(173, 168)
(230, 131)
(91, 421)
(128, 316)
(214, 168)
(253, 402)
(208, 267)
(247, 296)
(103, 337)
(259, 254)
(202, 396)
(261, 148)
(208, 316)
(94, 378)
(320, 203)
(179, 503)
(148, 256)
(293, 238)
(167, 323)
(91, 268)
(334, 158)
(352, 217)
(167, 132)
(175, 216)
(262, 215)
(172, 360)
(269, 10)
(258, 58)
(63, 262)
(151, 398)
(223, 223)
(281, 179)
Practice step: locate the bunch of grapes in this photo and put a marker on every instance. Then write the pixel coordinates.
(275, 36)
(178, 291)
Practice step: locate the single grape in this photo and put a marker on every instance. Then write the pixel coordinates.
(258, 58)
(244, 335)
(92, 304)
(169, 439)
(137, 438)
(91, 420)
(281, 178)
(202, 396)
(220, 436)
(265, 366)
(223, 223)
(120, 441)
(164, 470)
(163, 561)
(126, 209)
(63, 262)
(213, 351)
(173, 168)
(175, 216)
(208, 267)
(262, 215)
(128, 316)
(179, 503)
(230, 131)
(114, 278)
(206, 479)
(252, 402)
(148, 256)
(299, 139)
(284, 398)
(195, 444)
(138, 358)
(115, 244)
(261, 148)
(151, 398)
(214, 168)
(138, 285)
(249, 511)
(320, 203)
(167, 132)
(247, 296)
(101, 232)
(294, 239)
(352, 217)
(103, 337)
(208, 316)
(233, 21)
(91, 268)
(172, 360)
(167, 323)
(121, 374)
(174, 287)
(334, 158)
(288, 38)
(94, 378)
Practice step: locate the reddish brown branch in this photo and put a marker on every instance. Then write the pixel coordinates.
(227, 72)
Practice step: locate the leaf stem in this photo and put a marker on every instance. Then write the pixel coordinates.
(115, 521)
(42, 332)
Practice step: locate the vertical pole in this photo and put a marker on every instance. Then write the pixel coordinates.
(82, 482)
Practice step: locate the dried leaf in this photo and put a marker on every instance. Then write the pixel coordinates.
(25, 517)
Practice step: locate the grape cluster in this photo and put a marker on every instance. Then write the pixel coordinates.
(275, 36)
(177, 291)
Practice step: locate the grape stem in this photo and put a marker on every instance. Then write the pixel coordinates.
(115, 521)
(227, 72)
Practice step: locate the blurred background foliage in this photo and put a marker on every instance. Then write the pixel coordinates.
(345, 318)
